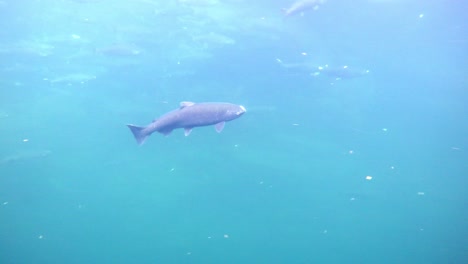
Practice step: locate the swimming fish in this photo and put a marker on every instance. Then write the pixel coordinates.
(301, 6)
(188, 116)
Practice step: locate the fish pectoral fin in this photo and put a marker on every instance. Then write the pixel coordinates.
(219, 126)
(187, 131)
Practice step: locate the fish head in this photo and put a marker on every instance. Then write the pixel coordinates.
(234, 112)
(241, 110)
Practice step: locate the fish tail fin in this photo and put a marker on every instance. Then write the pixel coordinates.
(138, 133)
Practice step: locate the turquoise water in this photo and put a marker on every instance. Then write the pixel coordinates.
(353, 148)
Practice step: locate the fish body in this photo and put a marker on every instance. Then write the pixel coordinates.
(119, 50)
(302, 6)
(343, 72)
(24, 156)
(338, 73)
(188, 116)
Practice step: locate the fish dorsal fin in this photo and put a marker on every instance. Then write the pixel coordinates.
(185, 104)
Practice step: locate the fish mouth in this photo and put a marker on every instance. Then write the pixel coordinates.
(242, 110)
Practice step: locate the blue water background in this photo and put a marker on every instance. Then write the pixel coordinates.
(285, 183)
